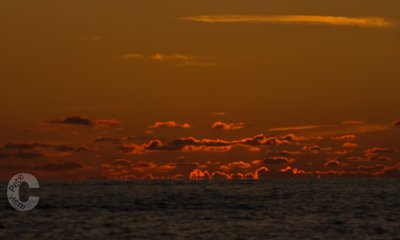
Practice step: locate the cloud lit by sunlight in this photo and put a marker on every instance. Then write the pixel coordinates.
(371, 22)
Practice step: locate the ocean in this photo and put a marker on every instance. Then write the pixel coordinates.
(272, 209)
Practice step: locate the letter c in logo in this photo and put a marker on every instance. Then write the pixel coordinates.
(14, 188)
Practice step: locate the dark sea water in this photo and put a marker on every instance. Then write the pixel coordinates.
(276, 209)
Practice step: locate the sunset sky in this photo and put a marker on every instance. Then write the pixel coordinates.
(131, 89)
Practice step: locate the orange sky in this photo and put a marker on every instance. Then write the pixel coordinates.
(132, 89)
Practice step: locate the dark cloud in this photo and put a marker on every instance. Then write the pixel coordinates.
(217, 175)
(392, 171)
(34, 150)
(84, 121)
(82, 148)
(73, 120)
(28, 154)
(23, 146)
(4, 155)
(23, 151)
(261, 173)
(29, 146)
(375, 169)
(312, 148)
(15, 167)
(107, 139)
(377, 150)
(121, 162)
(276, 160)
(334, 163)
(64, 148)
(60, 166)
(378, 154)
(379, 158)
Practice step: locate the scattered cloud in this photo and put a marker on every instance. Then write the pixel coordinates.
(378, 150)
(217, 114)
(228, 126)
(177, 59)
(170, 124)
(194, 144)
(107, 123)
(349, 145)
(366, 22)
(347, 137)
(295, 128)
(128, 56)
(198, 174)
(235, 166)
(352, 122)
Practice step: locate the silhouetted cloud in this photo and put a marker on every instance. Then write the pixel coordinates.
(240, 165)
(291, 172)
(28, 154)
(261, 173)
(82, 148)
(379, 158)
(228, 126)
(40, 146)
(378, 150)
(194, 144)
(392, 171)
(23, 146)
(276, 160)
(84, 121)
(312, 149)
(334, 163)
(73, 120)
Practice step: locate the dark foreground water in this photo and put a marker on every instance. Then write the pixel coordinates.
(276, 209)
